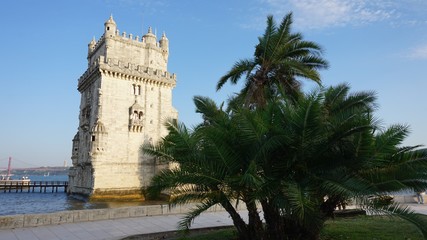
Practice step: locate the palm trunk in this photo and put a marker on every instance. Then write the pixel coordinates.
(241, 227)
(273, 220)
(255, 225)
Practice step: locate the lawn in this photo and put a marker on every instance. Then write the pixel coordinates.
(355, 228)
(370, 227)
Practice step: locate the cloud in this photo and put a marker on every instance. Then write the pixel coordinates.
(147, 6)
(316, 14)
(419, 52)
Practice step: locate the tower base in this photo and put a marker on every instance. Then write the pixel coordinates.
(117, 195)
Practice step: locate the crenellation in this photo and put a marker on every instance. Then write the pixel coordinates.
(97, 44)
(136, 41)
(128, 71)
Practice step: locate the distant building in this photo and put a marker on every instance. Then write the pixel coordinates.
(126, 96)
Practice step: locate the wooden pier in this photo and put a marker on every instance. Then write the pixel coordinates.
(9, 186)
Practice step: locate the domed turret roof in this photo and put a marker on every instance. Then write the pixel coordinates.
(110, 20)
(150, 38)
(76, 137)
(150, 33)
(93, 42)
(98, 127)
(164, 38)
(136, 106)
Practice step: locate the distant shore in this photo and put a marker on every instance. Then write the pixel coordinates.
(38, 171)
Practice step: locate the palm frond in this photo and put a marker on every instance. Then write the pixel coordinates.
(241, 67)
(188, 219)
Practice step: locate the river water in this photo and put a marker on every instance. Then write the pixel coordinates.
(25, 203)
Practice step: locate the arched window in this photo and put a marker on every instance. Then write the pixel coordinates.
(136, 89)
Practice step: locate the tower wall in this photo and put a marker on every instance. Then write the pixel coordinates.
(126, 96)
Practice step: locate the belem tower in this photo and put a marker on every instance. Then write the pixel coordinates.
(126, 97)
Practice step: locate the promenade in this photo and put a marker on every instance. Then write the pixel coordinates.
(113, 229)
(120, 228)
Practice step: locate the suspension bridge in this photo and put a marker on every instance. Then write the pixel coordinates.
(24, 184)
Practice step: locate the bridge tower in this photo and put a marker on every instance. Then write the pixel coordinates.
(126, 96)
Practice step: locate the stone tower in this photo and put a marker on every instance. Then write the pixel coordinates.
(126, 96)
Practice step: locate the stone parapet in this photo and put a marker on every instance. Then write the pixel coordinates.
(130, 39)
(405, 198)
(127, 71)
(34, 220)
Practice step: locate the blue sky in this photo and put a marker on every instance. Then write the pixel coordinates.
(378, 45)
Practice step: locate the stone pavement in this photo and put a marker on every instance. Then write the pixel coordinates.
(120, 228)
(418, 208)
(113, 229)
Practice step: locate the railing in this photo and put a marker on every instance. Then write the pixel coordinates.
(30, 186)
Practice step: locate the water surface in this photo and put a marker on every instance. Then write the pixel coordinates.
(27, 203)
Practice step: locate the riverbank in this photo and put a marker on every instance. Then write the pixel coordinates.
(111, 213)
(125, 227)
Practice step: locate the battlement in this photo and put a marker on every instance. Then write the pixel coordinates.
(147, 41)
(145, 50)
(128, 71)
(97, 44)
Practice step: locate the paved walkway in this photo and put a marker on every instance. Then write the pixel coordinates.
(113, 229)
(419, 208)
(120, 228)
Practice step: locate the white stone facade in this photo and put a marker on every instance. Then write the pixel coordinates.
(126, 96)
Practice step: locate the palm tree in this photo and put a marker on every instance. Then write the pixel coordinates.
(331, 148)
(280, 58)
(293, 158)
(214, 168)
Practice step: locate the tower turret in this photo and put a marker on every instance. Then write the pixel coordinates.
(150, 38)
(164, 42)
(91, 45)
(110, 27)
(164, 45)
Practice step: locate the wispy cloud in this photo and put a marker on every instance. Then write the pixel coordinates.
(317, 14)
(321, 14)
(148, 6)
(419, 52)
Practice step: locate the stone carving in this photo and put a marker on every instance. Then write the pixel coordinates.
(136, 117)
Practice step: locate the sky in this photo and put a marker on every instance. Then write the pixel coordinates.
(373, 45)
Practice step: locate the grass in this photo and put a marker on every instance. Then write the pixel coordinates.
(222, 234)
(370, 227)
(354, 228)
